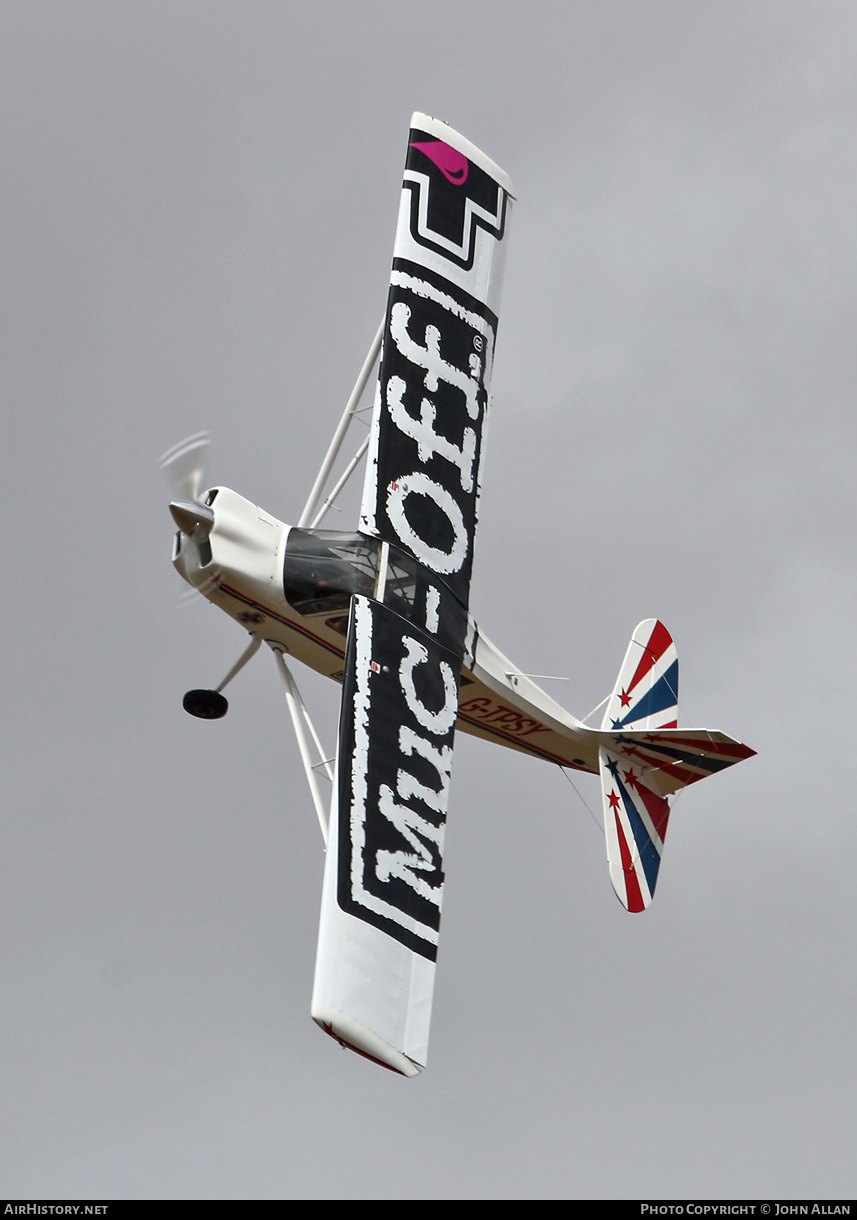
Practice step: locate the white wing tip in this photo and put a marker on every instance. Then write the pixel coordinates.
(443, 131)
(357, 1037)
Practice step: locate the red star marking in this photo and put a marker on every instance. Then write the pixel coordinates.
(614, 801)
(625, 699)
(630, 779)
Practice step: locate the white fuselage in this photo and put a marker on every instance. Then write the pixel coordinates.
(240, 569)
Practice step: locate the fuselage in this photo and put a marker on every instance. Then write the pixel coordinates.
(292, 588)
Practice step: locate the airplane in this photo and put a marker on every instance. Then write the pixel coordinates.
(383, 611)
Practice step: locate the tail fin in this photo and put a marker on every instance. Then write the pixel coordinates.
(635, 811)
(646, 692)
(645, 758)
(635, 826)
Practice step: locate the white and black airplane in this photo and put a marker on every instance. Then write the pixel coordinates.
(383, 610)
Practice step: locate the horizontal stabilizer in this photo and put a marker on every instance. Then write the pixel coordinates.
(635, 826)
(646, 692)
(678, 757)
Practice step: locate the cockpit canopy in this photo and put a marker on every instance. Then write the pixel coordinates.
(323, 569)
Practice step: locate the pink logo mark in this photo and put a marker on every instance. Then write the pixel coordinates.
(452, 164)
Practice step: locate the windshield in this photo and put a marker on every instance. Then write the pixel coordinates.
(323, 568)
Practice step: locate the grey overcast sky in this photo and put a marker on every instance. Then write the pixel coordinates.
(198, 209)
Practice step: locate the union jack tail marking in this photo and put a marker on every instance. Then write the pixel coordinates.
(680, 756)
(644, 758)
(646, 691)
(635, 826)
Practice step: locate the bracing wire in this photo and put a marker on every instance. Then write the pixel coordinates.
(595, 819)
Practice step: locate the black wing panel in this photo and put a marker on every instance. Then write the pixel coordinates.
(400, 703)
(422, 481)
(383, 879)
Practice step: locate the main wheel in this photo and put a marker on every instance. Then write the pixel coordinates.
(206, 704)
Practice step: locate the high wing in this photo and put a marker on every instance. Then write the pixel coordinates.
(422, 476)
(383, 880)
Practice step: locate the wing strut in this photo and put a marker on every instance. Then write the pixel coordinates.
(311, 506)
(301, 721)
(346, 475)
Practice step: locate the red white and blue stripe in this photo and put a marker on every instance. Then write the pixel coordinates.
(646, 691)
(635, 826)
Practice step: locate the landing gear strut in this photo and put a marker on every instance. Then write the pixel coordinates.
(210, 704)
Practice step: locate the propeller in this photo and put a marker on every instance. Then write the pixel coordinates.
(184, 467)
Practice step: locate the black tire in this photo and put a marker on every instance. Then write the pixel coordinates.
(206, 704)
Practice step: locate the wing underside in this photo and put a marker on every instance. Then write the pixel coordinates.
(383, 880)
(422, 478)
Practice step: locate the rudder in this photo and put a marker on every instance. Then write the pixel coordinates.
(636, 813)
(635, 826)
(646, 692)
